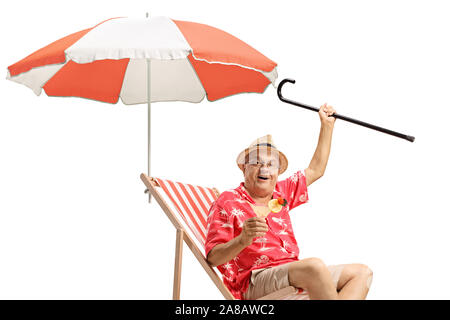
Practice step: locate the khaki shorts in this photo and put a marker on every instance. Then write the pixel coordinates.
(267, 280)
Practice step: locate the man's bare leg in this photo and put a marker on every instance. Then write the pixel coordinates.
(354, 282)
(313, 275)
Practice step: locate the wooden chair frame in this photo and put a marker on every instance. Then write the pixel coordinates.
(182, 235)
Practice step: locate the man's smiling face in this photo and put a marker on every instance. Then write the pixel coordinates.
(261, 173)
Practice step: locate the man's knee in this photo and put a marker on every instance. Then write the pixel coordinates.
(308, 269)
(315, 266)
(362, 270)
(368, 273)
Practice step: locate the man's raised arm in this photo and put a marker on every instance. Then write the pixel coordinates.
(319, 161)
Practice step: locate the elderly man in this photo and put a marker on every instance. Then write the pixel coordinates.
(250, 236)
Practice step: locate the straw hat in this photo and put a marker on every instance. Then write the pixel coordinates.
(264, 145)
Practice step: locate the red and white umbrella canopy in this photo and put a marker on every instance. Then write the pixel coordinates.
(184, 60)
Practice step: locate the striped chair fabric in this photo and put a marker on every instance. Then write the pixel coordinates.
(192, 203)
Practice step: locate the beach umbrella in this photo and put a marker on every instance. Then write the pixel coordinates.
(143, 61)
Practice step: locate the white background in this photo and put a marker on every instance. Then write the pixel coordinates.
(74, 220)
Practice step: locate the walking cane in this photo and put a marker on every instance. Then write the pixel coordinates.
(338, 116)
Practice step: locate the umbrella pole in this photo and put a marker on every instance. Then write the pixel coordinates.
(149, 103)
(339, 116)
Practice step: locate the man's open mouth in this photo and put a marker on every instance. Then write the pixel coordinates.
(263, 178)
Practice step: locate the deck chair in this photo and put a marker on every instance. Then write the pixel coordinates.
(192, 205)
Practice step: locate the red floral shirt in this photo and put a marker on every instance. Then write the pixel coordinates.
(226, 217)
